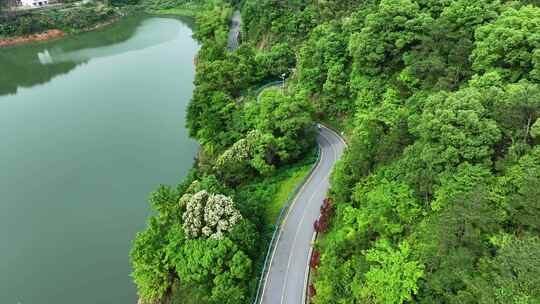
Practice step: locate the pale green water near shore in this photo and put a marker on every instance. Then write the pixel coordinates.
(89, 125)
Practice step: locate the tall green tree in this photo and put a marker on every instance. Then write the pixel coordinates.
(323, 68)
(387, 34)
(287, 118)
(392, 277)
(454, 128)
(151, 272)
(510, 44)
(510, 276)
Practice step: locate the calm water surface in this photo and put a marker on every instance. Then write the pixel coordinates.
(89, 125)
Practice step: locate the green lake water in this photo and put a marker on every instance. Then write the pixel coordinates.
(89, 125)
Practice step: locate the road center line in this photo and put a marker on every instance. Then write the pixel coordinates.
(298, 229)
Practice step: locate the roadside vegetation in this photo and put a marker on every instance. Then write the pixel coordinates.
(286, 186)
(207, 239)
(436, 197)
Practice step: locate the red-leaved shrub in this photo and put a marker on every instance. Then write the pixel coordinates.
(315, 259)
(327, 210)
(311, 290)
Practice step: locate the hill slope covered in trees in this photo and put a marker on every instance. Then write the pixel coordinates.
(436, 197)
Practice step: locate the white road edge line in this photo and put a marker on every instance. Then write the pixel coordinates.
(337, 135)
(307, 270)
(283, 291)
(321, 153)
(286, 279)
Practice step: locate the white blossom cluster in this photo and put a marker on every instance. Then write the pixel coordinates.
(243, 151)
(237, 153)
(209, 215)
(184, 200)
(193, 216)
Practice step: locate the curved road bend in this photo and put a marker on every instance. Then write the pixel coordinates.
(288, 265)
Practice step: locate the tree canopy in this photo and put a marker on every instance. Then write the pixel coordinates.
(436, 197)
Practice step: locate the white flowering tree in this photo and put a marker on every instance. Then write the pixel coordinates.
(208, 215)
(254, 153)
(241, 151)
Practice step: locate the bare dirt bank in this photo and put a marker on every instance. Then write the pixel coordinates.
(48, 35)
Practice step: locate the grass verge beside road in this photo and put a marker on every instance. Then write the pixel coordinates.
(286, 187)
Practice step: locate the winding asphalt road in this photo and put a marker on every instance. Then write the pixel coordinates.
(285, 281)
(234, 32)
(286, 277)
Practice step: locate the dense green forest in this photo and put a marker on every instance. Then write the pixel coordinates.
(436, 197)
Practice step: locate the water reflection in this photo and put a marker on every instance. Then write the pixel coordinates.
(34, 64)
(78, 157)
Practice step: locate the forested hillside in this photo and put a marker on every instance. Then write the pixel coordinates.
(205, 243)
(437, 197)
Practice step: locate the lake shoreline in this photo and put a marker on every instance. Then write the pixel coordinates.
(45, 36)
(98, 160)
(51, 35)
